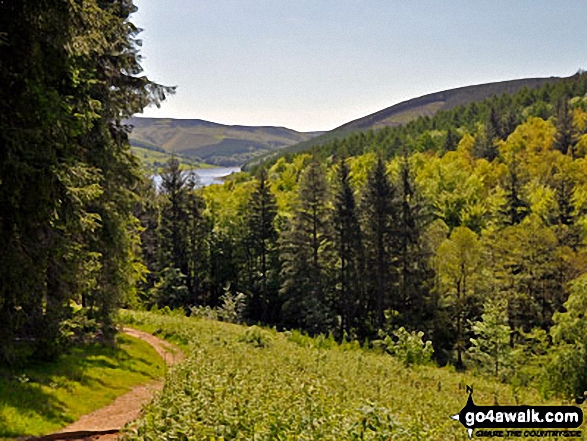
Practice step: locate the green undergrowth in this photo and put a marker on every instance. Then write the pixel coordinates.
(252, 383)
(47, 397)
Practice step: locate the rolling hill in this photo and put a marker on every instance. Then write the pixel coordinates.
(210, 142)
(426, 105)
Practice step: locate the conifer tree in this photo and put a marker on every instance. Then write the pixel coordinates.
(380, 212)
(414, 273)
(350, 253)
(307, 286)
(490, 348)
(69, 76)
(198, 226)
(516, 208)
(451, 141)
(174, 229)
(566, 136)
(485, 146)
(261, 239)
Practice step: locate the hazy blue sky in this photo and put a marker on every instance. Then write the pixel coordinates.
(316, 64)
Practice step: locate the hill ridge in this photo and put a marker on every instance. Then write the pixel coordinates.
(426, 105)
(211, 142)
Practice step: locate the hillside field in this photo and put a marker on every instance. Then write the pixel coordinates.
(153, 161)
(249, 383)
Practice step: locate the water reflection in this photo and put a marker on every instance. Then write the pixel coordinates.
(204, 176)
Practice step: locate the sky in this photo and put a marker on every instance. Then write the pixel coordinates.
(314, 65)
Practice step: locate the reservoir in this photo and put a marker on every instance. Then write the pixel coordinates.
(204, 176)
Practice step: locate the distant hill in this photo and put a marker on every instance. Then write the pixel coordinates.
(210, 142)
(426, 105)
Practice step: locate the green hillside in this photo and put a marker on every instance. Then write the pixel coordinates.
(210, 142)
(153, 160)
(427, 105)
(250, 383)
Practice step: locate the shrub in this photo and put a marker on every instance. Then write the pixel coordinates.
(408, 347)
(256, 337)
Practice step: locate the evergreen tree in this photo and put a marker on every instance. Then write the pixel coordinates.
(69, 76)
(350, 254)
(415, 277)
(198, 227)
(379, 217)
(262, 244)
(566, 136)
(516, 208)
(174, 229)
(567, 370)
(452, 140)
(485, 146)
(308, 256)
(147, 210)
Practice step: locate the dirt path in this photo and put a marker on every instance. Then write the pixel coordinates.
(104, 424)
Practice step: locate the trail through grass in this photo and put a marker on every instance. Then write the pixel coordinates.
(242, 383)
(45, 398)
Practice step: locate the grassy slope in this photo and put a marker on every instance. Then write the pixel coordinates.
(153, 161)
(45, 398)
(426, 105)
(210, 142)
(295, 388)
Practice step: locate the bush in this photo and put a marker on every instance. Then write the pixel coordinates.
(408, 347)
(256, 336)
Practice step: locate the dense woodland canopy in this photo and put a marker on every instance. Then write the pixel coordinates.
(467, 228)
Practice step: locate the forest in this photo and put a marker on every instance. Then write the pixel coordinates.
(457, 239)
(466, 229)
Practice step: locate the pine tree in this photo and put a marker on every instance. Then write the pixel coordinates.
(379, 212)
(350, 253)
(452, 140)
(485, 146)
(261, 239)
(308, 256)
(174, 243)
(414, 273)
(566, 136)
(147, 210)
(516, 209)
(198, 227)
(69, 76)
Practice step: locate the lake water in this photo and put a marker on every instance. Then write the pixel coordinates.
(205, 176)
